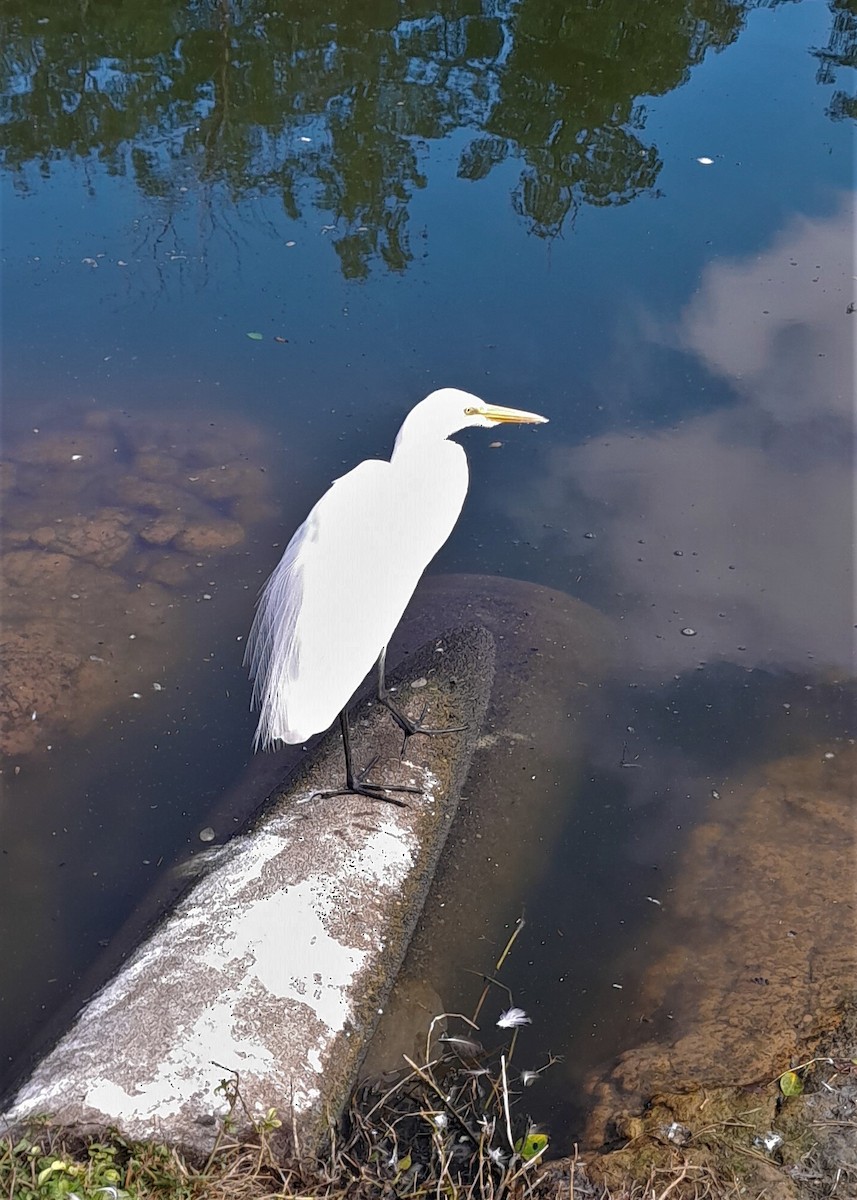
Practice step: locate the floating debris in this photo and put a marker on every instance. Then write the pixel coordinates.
(680, 1135)
(513, 1018)
(770, 1141)
(790, 1083)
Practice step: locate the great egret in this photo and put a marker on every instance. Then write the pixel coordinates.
(330, 608)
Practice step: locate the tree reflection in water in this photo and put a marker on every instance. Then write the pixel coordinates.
(332, 109)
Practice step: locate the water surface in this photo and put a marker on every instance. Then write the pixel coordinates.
(641, 227)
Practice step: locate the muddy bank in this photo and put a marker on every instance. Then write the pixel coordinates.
(758, 980)
(753, 1140)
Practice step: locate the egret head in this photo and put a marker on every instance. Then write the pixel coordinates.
(444, 412)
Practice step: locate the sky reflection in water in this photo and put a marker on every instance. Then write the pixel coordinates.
(511, 202)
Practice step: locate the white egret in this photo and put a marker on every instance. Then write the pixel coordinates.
(329, 609)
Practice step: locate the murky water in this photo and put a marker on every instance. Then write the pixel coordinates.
(641, 227)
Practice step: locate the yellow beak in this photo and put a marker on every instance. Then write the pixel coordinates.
(494, 412)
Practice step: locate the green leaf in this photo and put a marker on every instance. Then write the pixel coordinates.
(531, 1145)
(257, 337)
(791, 1084)
(44, 1176)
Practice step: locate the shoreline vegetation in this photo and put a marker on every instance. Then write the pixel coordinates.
(452, 1123)
(441, 1128)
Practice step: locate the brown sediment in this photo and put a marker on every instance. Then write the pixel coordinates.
(102, 522)
(758, 979)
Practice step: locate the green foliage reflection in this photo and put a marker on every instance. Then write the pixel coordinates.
(331, 106)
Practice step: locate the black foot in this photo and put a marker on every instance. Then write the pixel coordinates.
(373, 791)
(409, 727)
(359, 785)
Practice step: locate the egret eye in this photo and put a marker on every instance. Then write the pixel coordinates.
(470, 412)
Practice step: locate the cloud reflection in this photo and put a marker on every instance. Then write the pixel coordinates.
(737, 524)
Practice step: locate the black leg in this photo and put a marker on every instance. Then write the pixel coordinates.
(357, 784)
(407, 726)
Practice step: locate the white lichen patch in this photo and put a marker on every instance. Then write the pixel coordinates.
(387, 855)
(268, 972)
(282, 942)
(189, 1064)
(426, 779)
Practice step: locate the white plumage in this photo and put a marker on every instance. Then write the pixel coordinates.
(332, 604)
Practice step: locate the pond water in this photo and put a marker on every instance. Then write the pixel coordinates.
(240, 241)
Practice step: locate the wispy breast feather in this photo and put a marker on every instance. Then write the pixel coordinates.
(272, 647)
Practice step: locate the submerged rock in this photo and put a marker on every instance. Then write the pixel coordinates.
(103, 539)
(202, 537)
(161, 531)
(38, 673)
(160, 497)
(32, 569)
(99, 521)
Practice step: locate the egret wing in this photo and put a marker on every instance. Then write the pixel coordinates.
(342, 585)
(314, 637)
